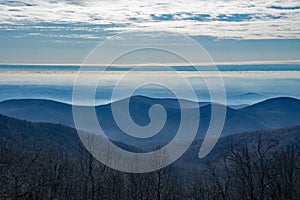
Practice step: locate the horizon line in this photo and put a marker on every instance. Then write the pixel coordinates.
(225, 63)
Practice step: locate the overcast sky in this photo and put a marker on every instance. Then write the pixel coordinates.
(52, 31)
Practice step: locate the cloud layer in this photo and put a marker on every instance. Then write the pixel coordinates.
(93, 19)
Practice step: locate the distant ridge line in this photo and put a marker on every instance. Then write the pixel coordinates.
(150, 98)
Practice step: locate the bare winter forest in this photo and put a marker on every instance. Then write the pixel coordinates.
(257, 168)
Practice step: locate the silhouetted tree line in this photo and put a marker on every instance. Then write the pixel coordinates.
(255, 170)
(40, 174)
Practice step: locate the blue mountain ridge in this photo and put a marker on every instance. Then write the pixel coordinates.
(270, 114)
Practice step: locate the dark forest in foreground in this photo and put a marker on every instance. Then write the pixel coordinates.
(253, 165)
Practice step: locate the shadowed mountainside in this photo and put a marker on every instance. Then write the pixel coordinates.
(61, 139)
(46, 136)
(269, 114)
(285, 137)
(28, 135)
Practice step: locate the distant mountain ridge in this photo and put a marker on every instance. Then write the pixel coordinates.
(270, 114)
(38, 110)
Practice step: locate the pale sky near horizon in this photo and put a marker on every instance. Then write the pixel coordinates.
(52, 31)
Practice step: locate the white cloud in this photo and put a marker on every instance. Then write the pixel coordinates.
(42, 77)
(245, 19)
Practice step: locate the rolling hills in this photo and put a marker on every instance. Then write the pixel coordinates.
(269, 114)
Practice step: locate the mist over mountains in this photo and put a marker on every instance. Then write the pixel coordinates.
(269, 114)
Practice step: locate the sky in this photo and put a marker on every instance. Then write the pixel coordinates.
(65, 31)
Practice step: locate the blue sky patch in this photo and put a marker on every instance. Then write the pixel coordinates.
(235, 17)
(285, 8)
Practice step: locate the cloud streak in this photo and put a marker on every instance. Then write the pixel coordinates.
(223, 19)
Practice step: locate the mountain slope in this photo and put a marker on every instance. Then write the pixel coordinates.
(50, 137)
(38, 110)
(269, 114)
(61, 139)
(282, 138)
(28, 135)
(277, 112)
